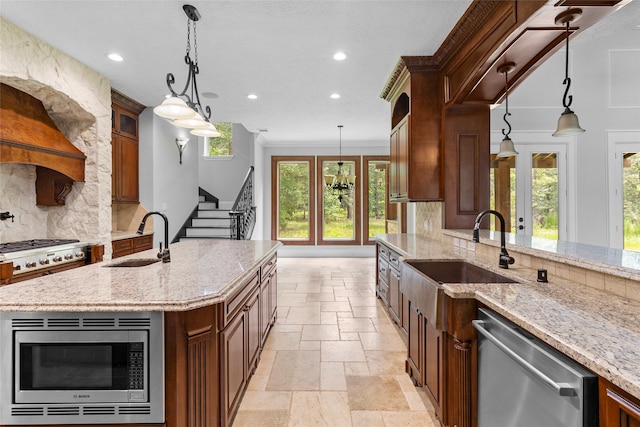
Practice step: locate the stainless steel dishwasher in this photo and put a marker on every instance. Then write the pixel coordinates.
(522, 382)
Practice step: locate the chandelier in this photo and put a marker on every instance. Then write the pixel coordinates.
(341, 183)
(506, 145)
(184, 108)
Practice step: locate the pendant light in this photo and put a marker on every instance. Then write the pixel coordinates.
(341, 183)
(568, 122)
(506, 145)
(184, 108)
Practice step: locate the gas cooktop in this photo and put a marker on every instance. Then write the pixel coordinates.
(24, 245)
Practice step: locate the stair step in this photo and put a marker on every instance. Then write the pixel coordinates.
(211, 222)
(207, 205)
(213, 213)
(208, 231)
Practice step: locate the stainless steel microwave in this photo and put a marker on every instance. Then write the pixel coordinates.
(80, 368)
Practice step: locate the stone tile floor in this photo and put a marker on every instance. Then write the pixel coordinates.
(333, 358)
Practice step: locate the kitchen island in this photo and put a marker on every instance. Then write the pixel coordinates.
(596, 328)
(218, 299)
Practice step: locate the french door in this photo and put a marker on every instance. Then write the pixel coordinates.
(530, 190)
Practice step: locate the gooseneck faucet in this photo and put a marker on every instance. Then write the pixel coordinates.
(505, 259)
(163, 254)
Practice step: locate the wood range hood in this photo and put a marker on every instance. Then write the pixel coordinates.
(29, 136)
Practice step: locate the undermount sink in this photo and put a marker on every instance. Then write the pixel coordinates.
(421, 282)
(139, 262)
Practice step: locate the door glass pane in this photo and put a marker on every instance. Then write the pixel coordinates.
(544, 195)
(338, 209)
(376, 196)
(503, 192)
(631, 200)
(293, 200)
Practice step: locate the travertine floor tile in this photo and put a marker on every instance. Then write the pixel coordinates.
(260, 400)
(332, 376)
(356, 325)
(264, 418)
(320, 333)
(381, 341)
(325, 408)
(367, 418)
(295, 370)
(341, 351)
(375, 393)
(283, 341)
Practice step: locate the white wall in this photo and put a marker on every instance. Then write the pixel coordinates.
(166, 185)
(605, 72)
(223, 177)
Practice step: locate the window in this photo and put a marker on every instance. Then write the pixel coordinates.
(292, 199)
(222, 145)
(631, 200)
(340, 217)
(376, 195)
(304, 211)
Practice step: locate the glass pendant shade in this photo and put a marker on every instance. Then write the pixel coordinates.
(210, 131)
(506, 148)
(568, 124)
(195, 122)
(174, 108)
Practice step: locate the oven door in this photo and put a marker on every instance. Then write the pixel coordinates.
(80, 366)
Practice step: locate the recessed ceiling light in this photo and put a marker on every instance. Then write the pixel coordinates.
(115, 57)
(252, 96)
(335, 95)
(340, 56)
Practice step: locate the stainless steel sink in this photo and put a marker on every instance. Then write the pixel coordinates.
(139, 262)
(421, 282)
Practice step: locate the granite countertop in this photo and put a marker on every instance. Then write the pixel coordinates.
(201, 273)
(599, 330)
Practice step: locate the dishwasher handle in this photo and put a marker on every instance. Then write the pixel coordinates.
(562, 389)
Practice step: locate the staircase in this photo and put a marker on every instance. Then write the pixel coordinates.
(209, 222)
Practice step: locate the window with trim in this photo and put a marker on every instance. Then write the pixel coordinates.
(299, 197)
(222, 145)
(376, 196)
(292, 200)
(339, 217)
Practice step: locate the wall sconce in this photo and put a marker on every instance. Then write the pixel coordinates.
(506, 145)
(568, 122)
(181, 143)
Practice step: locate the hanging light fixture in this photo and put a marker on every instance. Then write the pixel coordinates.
(341, 183)
(568, 122)
(506, 145)
(184, 108)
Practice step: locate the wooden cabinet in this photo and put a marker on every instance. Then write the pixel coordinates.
(124, 148)
(268, 297)
(415, 144)
(617, 408)
(388, 286)
(433, 366)
(395, 296)
(131, 245)
(382, 273)
(415, 359)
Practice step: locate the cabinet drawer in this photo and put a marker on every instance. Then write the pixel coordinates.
(238, 300)
(383, 252)
(383, 270)
(267, 267)
(383, 291)
(394, 260)
(142, 243)
(121, 247)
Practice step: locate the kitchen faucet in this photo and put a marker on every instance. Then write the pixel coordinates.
(505, 259)
(163, 254)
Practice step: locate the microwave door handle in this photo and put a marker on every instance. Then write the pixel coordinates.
(562, 389)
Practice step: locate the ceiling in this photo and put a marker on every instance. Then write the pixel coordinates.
(280, 50)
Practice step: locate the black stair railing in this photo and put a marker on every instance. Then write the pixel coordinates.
(243, 213)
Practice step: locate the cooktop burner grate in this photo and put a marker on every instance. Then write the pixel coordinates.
(22, 245)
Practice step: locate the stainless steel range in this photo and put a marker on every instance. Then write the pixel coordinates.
(42, 256)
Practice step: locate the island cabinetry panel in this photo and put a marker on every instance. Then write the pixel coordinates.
(268, 297)
(617, 408)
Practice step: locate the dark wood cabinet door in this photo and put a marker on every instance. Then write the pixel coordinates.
(415, 358)
(403, 159)
(254, 331)
(433, 369)
(234, 364)
(405, 314)
(265, 313)
(395, 297)
(617, 408)
(273, 296)
(127, 170)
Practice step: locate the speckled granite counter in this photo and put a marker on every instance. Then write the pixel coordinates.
(598, 329)
(201, 273)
